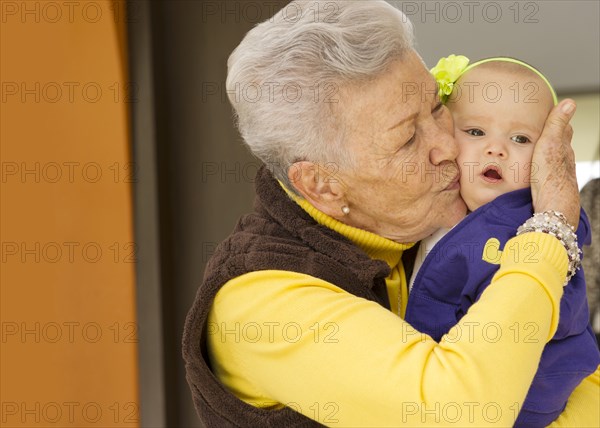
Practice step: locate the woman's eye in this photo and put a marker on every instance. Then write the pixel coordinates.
(438, 107)
(475, 132)
(521, 139)
(412, 140)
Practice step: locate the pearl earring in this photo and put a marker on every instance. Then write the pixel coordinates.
(345, 210)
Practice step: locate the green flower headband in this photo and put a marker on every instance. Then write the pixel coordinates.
(449, 69)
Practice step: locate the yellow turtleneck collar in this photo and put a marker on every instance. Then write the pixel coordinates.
(376, 247)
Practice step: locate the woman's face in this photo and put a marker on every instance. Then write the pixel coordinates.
(404, 181)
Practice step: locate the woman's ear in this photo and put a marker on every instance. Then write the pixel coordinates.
(320, 185)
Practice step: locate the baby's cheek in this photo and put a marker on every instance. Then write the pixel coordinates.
(464, 154)
(525, 170)
(520, 171)
(468, 191)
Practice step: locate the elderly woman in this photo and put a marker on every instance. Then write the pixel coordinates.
(299, 319)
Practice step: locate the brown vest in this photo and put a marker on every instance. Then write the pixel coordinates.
(278, 235)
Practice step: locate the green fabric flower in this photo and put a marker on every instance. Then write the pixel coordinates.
(446, 73)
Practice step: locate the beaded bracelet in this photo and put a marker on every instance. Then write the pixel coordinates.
(556, 224)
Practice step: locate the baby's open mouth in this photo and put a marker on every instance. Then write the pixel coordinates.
(492, 173)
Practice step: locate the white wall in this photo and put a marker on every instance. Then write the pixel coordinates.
(586, 138)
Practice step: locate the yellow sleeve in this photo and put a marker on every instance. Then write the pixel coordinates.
(583, 407)
(282, 338)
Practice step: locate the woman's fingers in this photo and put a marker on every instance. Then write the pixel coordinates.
(555, 185)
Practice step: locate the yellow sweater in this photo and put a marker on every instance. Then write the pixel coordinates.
(282, 338)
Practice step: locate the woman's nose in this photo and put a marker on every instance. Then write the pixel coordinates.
(445, 147)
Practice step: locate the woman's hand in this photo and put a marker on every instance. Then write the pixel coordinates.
(553, 180)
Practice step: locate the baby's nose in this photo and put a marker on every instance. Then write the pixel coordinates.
(496, 150)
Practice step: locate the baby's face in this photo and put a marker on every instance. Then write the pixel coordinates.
(498, 118)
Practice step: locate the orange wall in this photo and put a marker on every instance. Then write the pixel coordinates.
(68, 345)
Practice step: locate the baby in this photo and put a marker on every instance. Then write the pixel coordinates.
(499, 106)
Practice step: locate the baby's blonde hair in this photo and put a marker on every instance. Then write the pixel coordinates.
(516, 68)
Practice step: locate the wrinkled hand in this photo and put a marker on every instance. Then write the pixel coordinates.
(553, 179)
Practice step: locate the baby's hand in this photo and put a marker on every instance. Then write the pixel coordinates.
(553, 181)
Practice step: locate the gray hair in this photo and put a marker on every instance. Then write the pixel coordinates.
(285, 75)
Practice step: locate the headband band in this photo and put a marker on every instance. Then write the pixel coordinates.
(449, 69)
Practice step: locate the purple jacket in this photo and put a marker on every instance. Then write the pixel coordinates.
(454, 275)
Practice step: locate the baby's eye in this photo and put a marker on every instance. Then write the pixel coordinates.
(475, 132)
(521, 139)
